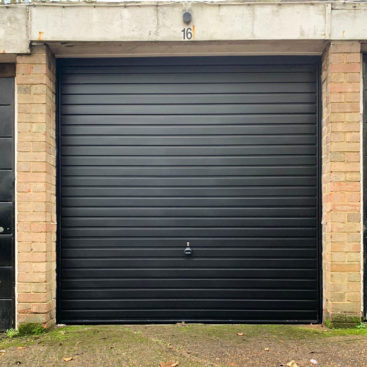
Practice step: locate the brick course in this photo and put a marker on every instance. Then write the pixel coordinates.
(35, 186)
(341, 179)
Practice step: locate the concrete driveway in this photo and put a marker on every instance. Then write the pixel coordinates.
(188, 345)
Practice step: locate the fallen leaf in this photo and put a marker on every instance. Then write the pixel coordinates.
(68, 359)
(168, 364)
(281, 341)
(62, 332)
(267, 349)
(20, 348)
(292, 364)
(313, 361)
(240, 334)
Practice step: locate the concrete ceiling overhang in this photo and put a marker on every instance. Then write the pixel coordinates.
(204, 48)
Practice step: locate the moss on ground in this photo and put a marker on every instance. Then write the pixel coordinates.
(279, 331)
(193, 345)
(107, 334)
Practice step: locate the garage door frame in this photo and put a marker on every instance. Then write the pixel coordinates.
(269, 59)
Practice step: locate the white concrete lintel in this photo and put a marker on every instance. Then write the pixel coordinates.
(161, 21)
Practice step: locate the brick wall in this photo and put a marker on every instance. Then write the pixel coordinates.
(35, 187)
(341, 179)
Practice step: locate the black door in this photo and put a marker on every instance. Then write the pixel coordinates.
(6, 198)
(218, 153)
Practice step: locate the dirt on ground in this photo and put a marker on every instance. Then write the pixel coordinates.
(188, 345)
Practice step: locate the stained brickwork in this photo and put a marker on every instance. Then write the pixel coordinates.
(341, 179)
(35, 187)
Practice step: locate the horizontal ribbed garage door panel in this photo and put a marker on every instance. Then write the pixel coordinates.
(188, 88)
(190, 192)
(248, 286)
(185, 67)
(200, 251)
(189, 130)
(253, 62)
(189, 120)
(195, 181)
(191, 294)
(222, 263)
(187, 304)
(188, 78)
(188, 212)
(220, 152)
(190, 140)
(163, 222)
(252, 153)
(211, 242)
(303, 285)
(191, 109)
(208, 315)
(132, 203)
(227, 274)
(188, 171)
(187, 232)
(166, 160)
(185, 99)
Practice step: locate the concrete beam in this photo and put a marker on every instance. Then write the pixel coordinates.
(163, 22)
(14, 37)
(141, 21)
(349, 22)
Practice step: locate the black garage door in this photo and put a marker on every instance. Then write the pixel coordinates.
(6, 196)
(220, 153)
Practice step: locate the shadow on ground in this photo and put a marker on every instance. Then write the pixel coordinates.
(189, 345)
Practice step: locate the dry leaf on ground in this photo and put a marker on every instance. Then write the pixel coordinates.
(68, 359)
(292, 364)
(240, 334)
(168, 364)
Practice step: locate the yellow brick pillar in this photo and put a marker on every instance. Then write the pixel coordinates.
(341, 181)
(35, 187)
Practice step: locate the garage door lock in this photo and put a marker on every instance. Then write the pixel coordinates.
(188, 250)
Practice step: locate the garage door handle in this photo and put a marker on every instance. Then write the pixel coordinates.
(188, 250)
